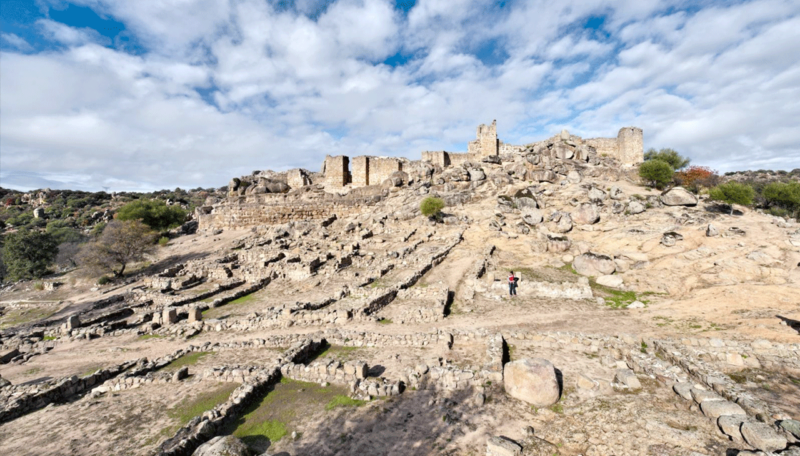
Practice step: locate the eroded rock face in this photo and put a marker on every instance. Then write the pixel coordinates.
(533, 381)
(587, 214)
(223, 446)
(560, 222)
(678, 196)
(762, 436)
(592, 264)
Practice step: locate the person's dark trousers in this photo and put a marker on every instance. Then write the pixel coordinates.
(512, 289)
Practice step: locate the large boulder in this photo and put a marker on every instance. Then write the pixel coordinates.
(223, 446)
(592, 264)
(476, 174)
(678, 196)
(502, 446)
(533, 381)
(635, 207)
(525, 199)
(586, 214)
(532, 216)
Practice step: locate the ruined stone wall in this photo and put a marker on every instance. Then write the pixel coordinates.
(627, 147)
(486, 142)
(459, 159)
(273, 209)
(437, 158)
(297, 178)
(380, 168)
(337, 171)
(360, 171)
(603, 146)
(510, 148)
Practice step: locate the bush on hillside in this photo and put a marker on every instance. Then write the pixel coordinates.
(675, 160)
(28, 254)
(431, 207)
(153, 213)
(733, 193)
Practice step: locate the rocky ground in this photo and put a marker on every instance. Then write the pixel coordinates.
(670, 327)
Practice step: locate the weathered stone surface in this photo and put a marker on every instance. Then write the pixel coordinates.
(596, 195)
(182, 373)
(678, 196)
(627, 378)
(543, 176)
(671, 238)
(558, 244)
(592, 264)
(791, 426)
(502, 446)
(612, 281)
(195, 315)
(715, 409)
(730, 424)
(700, 395)
(635, 207)
(683, 389)
(635, 305)
(586, 214)
(711, 231)
(223, 446)
(532, 216)
(762, 436)
(532, 380)
(560, 222)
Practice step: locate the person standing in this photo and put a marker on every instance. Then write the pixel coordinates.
(512, 284)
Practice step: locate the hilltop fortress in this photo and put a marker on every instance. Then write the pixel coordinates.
(344, 185)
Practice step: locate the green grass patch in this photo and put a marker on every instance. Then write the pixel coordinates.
(204, 402)
(150, 336)
(568, 268)
(189, 359)
(90, 371)
(341, 400)
(618, 299)
(738, 377)
(244, 299)
(33, 371)
(20, 316)
(557, 408)
(49, 338)
(269, 419)
(385, 321)
(337, 352)
(217, 312)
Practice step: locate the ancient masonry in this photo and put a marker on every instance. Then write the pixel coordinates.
(346, 185)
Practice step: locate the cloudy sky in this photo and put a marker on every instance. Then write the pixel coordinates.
(149, 94)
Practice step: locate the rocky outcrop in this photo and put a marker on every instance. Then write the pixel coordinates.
(592, 264)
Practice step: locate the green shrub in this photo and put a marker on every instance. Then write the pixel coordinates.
(431, 206)
(784, 195)
(103, 280)
(733, 193)
(153, 213)
(163, 241)
(658, 173)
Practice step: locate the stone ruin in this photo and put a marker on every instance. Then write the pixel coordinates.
(335, 280)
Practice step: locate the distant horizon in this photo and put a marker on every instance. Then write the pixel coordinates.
(143, 96)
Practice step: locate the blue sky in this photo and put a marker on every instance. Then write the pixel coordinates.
(159, 94)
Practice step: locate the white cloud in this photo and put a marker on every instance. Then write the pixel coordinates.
(16, 42)
(288, 88)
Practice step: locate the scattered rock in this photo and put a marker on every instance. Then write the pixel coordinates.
(715, 409)
(586, 214)
(627, 377)
(502, 446)
(635, 207)
(613, 281)
(711, 231)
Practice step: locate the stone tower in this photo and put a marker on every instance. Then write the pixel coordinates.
(630, 146)
(486, 143)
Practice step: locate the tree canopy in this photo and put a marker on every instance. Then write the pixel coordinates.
(670, 156)
(733, 193)
(28, 254)
(658, 173)
(121, 243)
(153, 213)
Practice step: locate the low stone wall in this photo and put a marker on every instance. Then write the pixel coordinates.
(32, 399)
(202, 428)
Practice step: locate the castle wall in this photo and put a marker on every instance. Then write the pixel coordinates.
(381, 168)
(297, 178)
(603, 146)
(510, 149)
(627, 147)
(437, 158)
(337, 171)
(486, 143)
(459, 159)
(360, 172)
